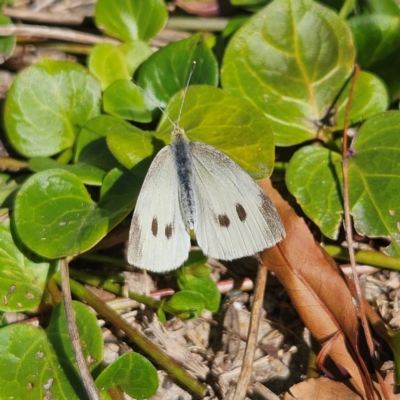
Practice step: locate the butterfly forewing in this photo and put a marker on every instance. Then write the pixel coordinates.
(235, 218)
(158, 239)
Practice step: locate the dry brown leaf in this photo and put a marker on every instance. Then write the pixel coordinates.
(327, 389)
(317, 290)
(321, 389)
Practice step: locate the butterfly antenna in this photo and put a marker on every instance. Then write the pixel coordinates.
(150, 96)
(186, 89)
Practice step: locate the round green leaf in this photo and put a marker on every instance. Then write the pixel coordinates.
(7, 43)
(192, 303)
(374, 178)
(47, 105)
(23, 275)
(91, 144)
(30, 368)
(133, 373)
(109, 63)
(167, 71)
(124, 99)
(55, 216)
(314, 177)
(369, 97)
(377, 40)
(376, 37)
(88, 174)
(133, 148)
(290, 60)
(204, 285)
(131, 19)
(89, 334)
(228, 123)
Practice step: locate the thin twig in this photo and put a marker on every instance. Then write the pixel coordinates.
(47, 32)
(349, 237)
(44, 17)
(247, 366)
(86, 376)
(12, 164)
(347, 219)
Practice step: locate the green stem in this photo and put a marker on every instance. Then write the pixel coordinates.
(365, 257)
(118, 290)
(197, 24)
(140, 340)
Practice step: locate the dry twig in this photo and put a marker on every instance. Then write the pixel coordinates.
(46, 32)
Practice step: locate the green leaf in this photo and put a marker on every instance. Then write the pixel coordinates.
(109, 63)
(47, 105)
(369, 97)
(31, 369)
(91, 144)
(118, 195)
(167, 71)
(374, 172)
(228, 123)
(124, 99)
(36, 366)
(133, 373)
(383, 7)
(133, 148)
(131, 19)
(314, 177)
(23, 275)
(190, 303)
(89, 333)
(88, 174)
(7, 43)
(203, 285)
(377, 39)
(290, 60)
(55, 216)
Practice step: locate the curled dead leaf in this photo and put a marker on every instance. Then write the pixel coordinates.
(318, 292)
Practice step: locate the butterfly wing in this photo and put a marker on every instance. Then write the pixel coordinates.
(158, 239)
(235, 218)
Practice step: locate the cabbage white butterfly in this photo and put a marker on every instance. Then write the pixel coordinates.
(194, 186)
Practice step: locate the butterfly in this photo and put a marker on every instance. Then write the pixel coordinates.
(193, 186)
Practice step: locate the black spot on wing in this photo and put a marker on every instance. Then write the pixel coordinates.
(241, 212)
(168, 230)
(154, 227)
(223, 220)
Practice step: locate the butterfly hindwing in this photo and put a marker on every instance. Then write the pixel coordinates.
(158, 239)
(235, 218)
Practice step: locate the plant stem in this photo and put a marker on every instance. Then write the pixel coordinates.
(374, 258)
(12, 164)
(197, 24)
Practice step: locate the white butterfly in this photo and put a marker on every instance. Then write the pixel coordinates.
(194, 186)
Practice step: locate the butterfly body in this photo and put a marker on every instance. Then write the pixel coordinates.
(191, 185)
(180, 147)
